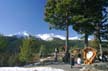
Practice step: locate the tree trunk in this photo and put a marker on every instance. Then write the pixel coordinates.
(100, 46)
(86, 40)
(101, 51)
(67, 36)
(97, 35)
(67, 55)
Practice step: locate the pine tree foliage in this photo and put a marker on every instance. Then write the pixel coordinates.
(25, 51)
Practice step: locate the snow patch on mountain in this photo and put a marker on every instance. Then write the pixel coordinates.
(20, 34)
(74, 38)
(46, 36)
(51, 36)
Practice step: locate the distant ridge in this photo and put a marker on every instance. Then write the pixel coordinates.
(46, 36)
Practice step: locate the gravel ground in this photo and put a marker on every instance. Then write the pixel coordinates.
(66, 67)
(93, 67)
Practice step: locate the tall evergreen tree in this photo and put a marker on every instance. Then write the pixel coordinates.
(92, 13)
(84, 15)
(92, 9)
(25, 51)
(59, 14)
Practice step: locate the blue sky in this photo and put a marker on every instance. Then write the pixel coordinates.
(25, 15)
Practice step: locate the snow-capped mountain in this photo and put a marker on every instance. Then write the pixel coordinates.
(51, 36)
(46, 36)
(20, 34)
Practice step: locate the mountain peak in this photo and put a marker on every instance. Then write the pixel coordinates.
(20, 34)
(51, 36)
(25, 33)
(46, 36)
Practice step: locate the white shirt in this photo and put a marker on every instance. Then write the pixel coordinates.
(78, 60)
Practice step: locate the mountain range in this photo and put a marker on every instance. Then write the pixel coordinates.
(46, 36)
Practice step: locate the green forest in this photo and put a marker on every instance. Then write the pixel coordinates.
(20, 51)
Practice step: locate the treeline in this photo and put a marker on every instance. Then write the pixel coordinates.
(17, 51)
(20, 51)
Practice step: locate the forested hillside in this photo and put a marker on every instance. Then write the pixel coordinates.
(15, 51)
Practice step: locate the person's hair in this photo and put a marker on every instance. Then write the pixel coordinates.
(79, 55)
